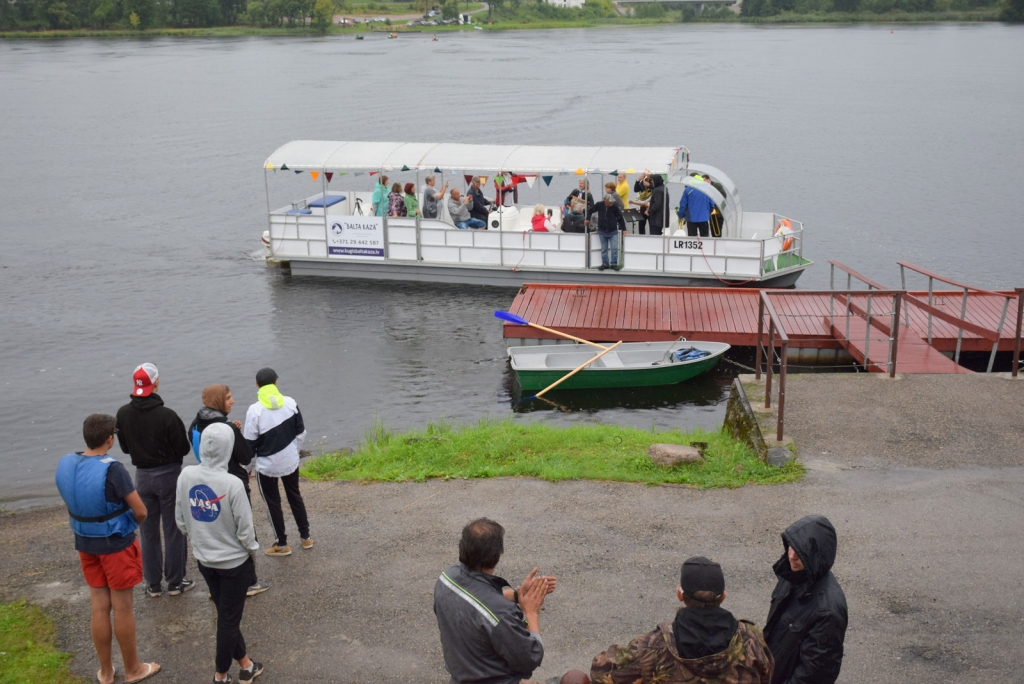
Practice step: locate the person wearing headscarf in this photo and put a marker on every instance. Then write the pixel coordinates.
(217, 403)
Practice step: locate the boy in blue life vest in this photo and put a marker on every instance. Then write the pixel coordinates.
(105, 511)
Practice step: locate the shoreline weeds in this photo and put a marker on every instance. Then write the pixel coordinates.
(831, 19)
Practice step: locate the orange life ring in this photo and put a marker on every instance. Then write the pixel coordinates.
(784, 227)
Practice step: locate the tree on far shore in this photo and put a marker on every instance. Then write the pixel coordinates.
(1012, 11)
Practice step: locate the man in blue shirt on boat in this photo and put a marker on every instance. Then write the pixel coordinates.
(609, 222)
(695, 207)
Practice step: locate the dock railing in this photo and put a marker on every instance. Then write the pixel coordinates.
(876, 319)
(774, 324)
(1016, 337)
(961, 323)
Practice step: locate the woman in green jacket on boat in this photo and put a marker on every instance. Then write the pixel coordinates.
(412, 205)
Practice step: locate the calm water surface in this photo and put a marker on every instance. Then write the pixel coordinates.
(131, 201)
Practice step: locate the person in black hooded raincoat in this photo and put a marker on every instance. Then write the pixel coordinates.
(806, 623)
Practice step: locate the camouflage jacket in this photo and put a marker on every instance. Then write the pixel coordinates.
(653, 659)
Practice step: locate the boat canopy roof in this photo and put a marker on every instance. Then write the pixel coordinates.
(328, 155)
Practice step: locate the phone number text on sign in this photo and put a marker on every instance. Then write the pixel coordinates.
(360, 237)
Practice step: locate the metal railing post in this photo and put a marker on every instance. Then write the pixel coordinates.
(931, 292)
(1016, 337)
(782, 390)
(894, 340)
(903, 286)
(849, 287)
(771, 361)
(999, 333)
(760, 335)
(867, 334)
(960, 335)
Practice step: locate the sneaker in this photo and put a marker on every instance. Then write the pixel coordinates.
(276, 550)
(602, 267)
(307, 543)
(258, 588)
(228, 680)
(617, 268)
(246, 676)
(180, 588)
(155, 590)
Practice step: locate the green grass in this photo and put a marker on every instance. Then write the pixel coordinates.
(27, 655)
(507, 448)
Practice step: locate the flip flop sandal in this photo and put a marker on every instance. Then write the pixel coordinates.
(152, 669)
(100, 679)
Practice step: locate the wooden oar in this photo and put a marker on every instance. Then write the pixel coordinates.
(512, 318)
(558, 382)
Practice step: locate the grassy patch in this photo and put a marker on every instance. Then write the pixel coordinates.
(507, 448)
(27, 655)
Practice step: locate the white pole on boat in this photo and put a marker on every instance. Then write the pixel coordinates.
(418, 213)
(270, 223)
(323, 184)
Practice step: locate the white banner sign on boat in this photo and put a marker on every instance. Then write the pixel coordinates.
(361, 237)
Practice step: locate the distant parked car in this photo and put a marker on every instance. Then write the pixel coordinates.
(431, 14)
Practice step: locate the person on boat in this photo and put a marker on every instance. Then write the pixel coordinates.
(642, 187)
(481, 205)
(609, 189)
(622, 190)
(549, 223)
(412, 205)
(275, 431)
(658, 209)
(806, 624)
(459, 210)
(539, 221)
(704, 643)
(379, 198)
(583, 192)
(431, 196)
(96, 486)
(211, 509)
(609, 223)
(396, 201)
(217, 404)
(489, 631)
(695, 207)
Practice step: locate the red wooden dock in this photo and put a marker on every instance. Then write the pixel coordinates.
(608, 313)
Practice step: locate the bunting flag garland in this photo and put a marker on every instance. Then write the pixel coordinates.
(530, 180)
(664, 177)
(615, 172)
(580, 172)
(297, 171)
(328, 175)
(374, 173)
(547, 179)
(269, 166)
(314, 175)
(437, 170)
(358, 173)
(284, 167)
(404, 167)
(483, 180)
(630, 170)
(468, 177)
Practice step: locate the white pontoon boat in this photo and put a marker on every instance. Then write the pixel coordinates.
(333, 232)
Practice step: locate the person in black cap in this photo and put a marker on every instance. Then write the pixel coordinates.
(275, 431)
(705, 643)
(806, 623)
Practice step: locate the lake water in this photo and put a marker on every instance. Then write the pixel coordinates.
(132, 201)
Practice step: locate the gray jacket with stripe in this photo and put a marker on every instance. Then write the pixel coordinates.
(483, 635)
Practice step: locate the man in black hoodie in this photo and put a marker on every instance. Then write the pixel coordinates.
(705, 643)
(806, 623)
(154, 436)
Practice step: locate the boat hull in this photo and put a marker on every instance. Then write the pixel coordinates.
(505, 277)
(627, 377)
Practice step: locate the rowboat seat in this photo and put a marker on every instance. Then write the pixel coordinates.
(532, 361)
(612, 360)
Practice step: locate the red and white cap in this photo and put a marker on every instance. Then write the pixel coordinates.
(143, 379)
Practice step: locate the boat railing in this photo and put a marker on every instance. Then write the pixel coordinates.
(296, 233)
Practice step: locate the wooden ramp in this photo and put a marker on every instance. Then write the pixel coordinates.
(913, 353)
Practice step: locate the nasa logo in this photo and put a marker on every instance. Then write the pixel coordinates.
(204, 502)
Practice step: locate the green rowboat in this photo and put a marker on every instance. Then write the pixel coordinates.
(633, 364)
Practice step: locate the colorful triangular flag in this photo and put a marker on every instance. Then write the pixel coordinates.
(483, 180)
(328, 175)
(437, 170)
(269, 166)
(284, 167)
(530, 180)
(547, 179)
(580, 172)
(314, 175)
(297, 171)
(615, 172)
(630, 170)
(374, 173)
(404, 167)
(468, 177)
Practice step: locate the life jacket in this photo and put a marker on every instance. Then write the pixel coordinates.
(82, 482)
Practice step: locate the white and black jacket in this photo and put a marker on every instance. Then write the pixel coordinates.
(275, 431)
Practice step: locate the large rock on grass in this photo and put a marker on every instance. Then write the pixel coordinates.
(669, 455)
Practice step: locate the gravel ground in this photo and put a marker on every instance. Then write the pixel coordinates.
(931, 558)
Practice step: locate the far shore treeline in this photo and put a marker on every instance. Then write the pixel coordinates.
(127, 17)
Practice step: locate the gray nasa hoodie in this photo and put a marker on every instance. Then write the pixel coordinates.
(211, 507)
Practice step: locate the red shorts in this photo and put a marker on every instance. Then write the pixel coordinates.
(121, 570)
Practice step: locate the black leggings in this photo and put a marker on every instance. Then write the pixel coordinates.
(228, 588)
(272, 496)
